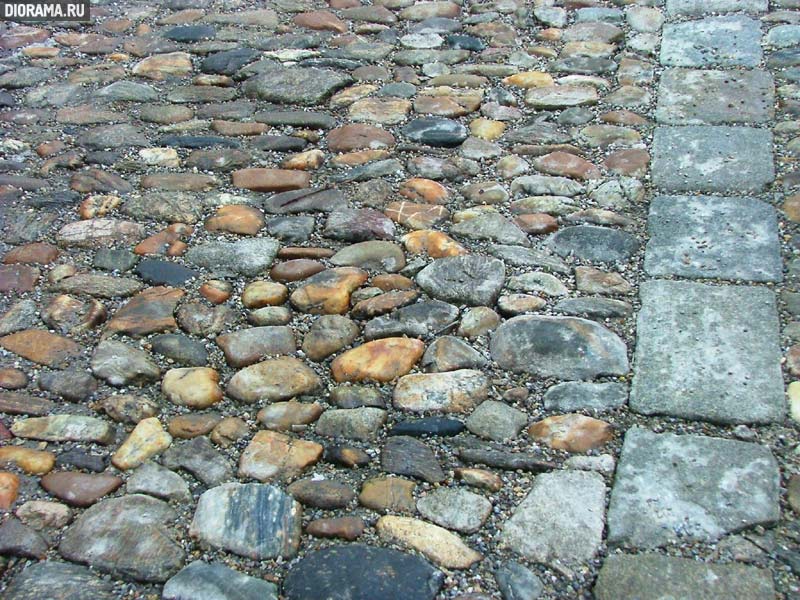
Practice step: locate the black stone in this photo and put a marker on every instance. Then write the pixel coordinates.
(404, 455)
(440, 426)
(191, 33)
(180, 348)
(229, 61)
(435, 131)
(359, 572)
(80, 459)
(161, 272)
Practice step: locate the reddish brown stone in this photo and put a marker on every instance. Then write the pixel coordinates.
(358, 136)
(80, 489)
(191, 426)
(18, 278)
(236, 218)
(41, 347)
(270, 180)
(424, 190)
(12, 379)
(383, 304)
(392, 281)
(296, 270)
(178, 182)
(567, 165)
(537, 223)
(216, 291)
(292, 252)
(15, 403)
(793, 360)
(22, 36)
(167, 241)
(235, 128)
(345, 528)
(320, 20)
(40, 253)
(148, 312)
(623, 117)
(632, 162)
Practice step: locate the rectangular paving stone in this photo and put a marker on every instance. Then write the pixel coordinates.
(711, 237)
(676, 488)
(705, 158)
(699, 7)
(708, 352)
(698, 97)
(730, 41)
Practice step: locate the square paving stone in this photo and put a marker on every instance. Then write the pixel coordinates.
(699, 7)
(671, 488)
(708, 352)
(731, 41)
(711, 237)
(712, 159)
(696, 97)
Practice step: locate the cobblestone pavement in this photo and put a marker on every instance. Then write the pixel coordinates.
(401, 300)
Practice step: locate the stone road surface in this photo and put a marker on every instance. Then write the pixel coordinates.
(381, 300)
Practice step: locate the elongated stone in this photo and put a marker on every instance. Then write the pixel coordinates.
(61, 428)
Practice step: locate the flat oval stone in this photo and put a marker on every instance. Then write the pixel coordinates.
(64, 428)
(349, 571)
(271, 380)
(379, 360)
(404, 455)
(436, 132)
(471, 279)
(595, 244)
(253, 520)
(214, 581)
(80, 489)
(73, 582)
(455, 391)
(562, 347)
(441, 546)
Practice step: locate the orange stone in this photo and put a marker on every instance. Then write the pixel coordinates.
(9, 488)
(383, 304)
(41, 347)
(270, 180)
(236, 218)
(216, 291)
(272, 455)
(358, 136)
(296, 270)
(40, 253)
(236, 128)
(34, 462)
(572, 432)
(169, 241)
(536, 223)
(328, 292)
(392, 281)
(305, 161)
(424, 190)
(320, 20)
(380, 360)
(433, 243)
(98, 206)
(178, 182)
(416, 216)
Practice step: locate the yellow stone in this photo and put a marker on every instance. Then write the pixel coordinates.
(487, 129)
(264, 293)
(195, 387)
(794, 400)
(147, 439)
(444, 548)
(433, 243)
(530, 79)
(379, 360)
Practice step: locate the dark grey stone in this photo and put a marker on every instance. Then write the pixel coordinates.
(71, 582)
(708, 237)
(594, 244)
(253, 520)
(348, 572)
(682, 488)
(20, 540)
(308, 200)
(215, 581)
(191, 33)
(423, 319)
(296, 118)
(127, 91)
(517, 582)
(180, 348)
(434, 426)
(572, 396)
(403, 455)
(162, 272)
(528, 257)
(712, 159)
(200, 458)
(656, 577)
(114, 259)
(469, 279)
(703, 97)
(127, 537)
(729, 41)
(294, 85)
(562, 347)
(707, 352)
